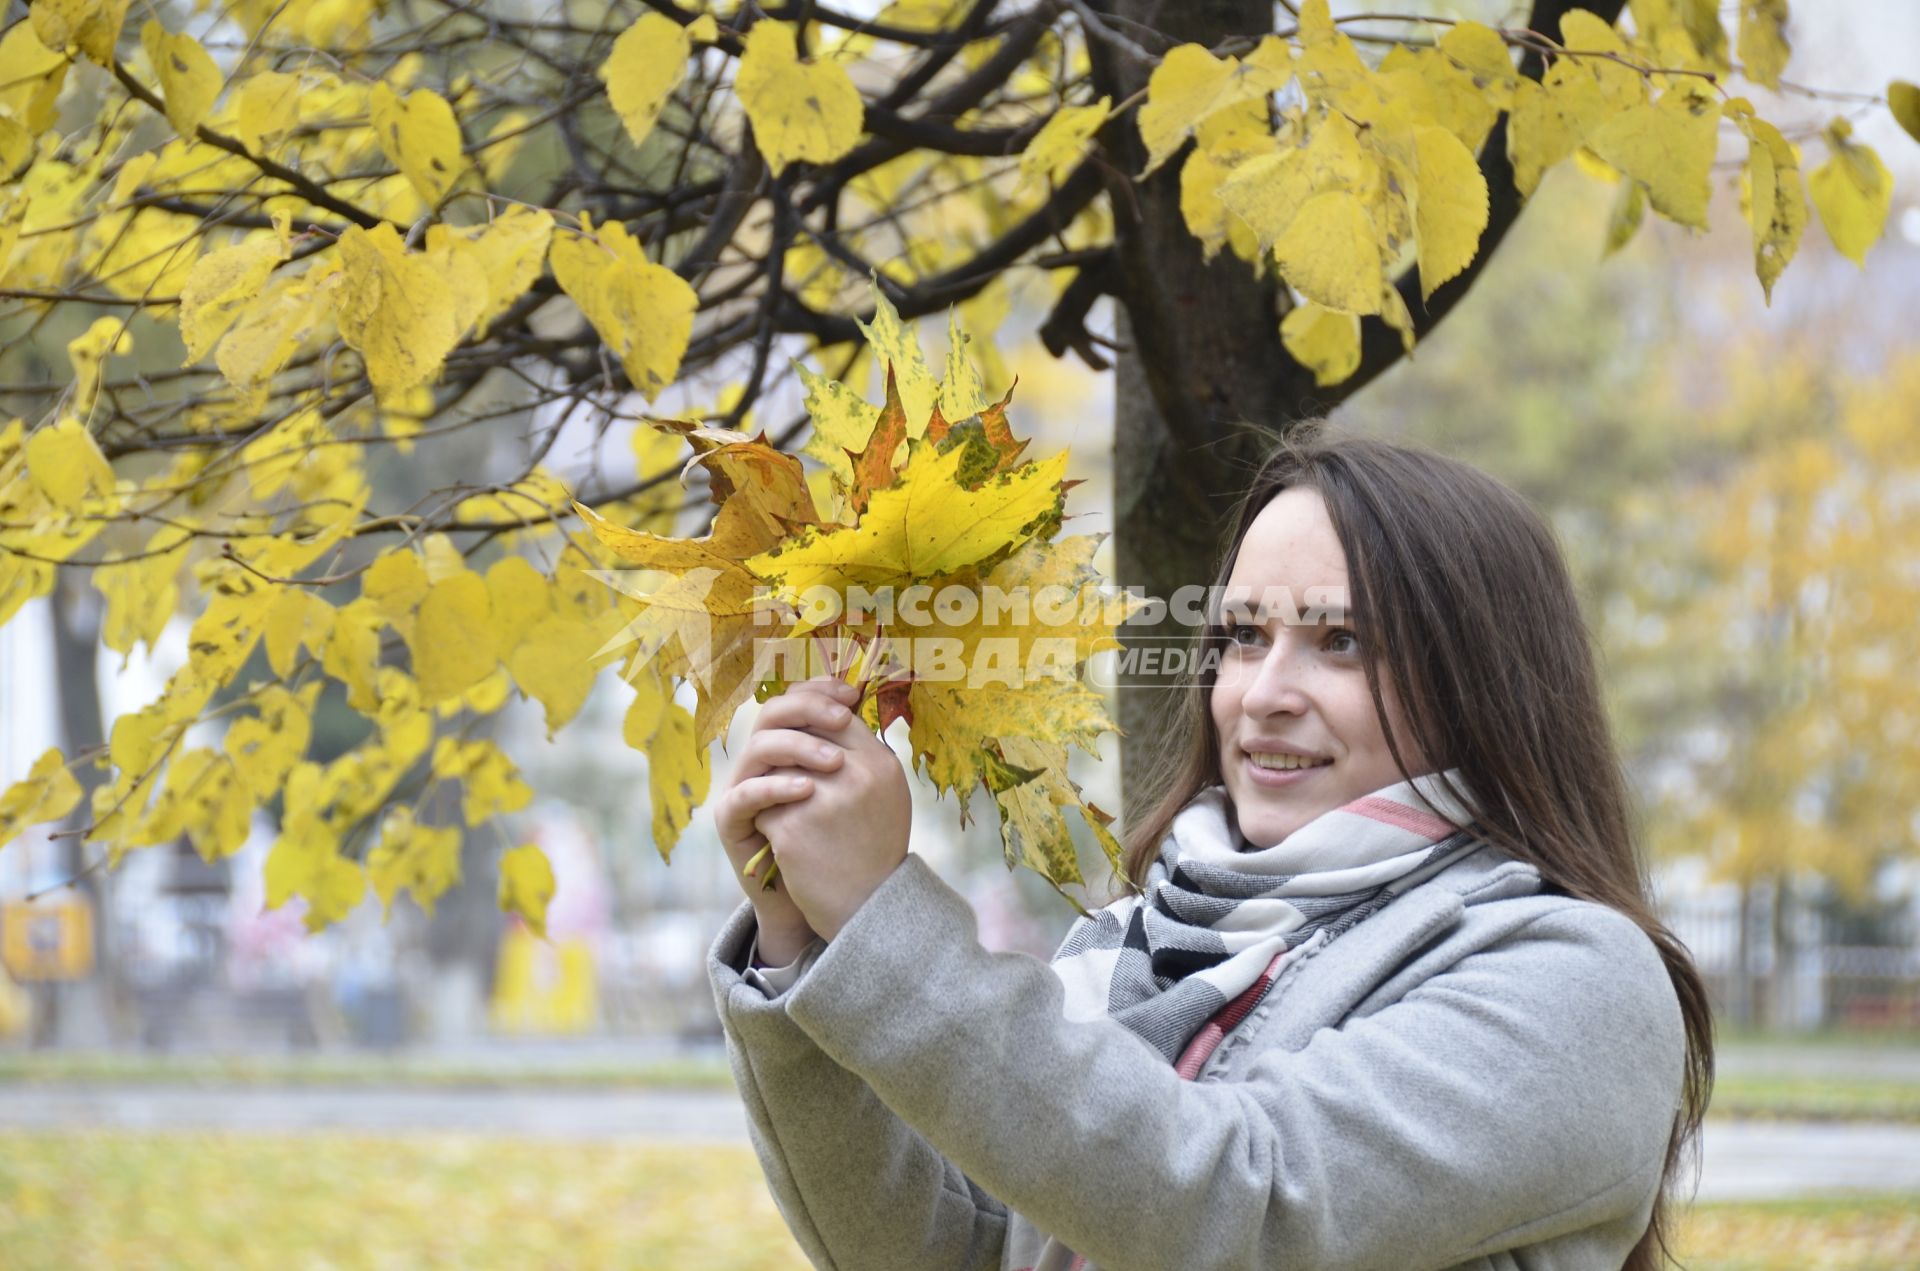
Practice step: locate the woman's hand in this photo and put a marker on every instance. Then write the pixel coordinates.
(777, 766)
(838, 843)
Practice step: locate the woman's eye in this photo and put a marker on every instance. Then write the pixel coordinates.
(1242, 634)
(1342, 640)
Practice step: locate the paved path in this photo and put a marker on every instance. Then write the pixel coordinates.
(713, 1116)
(1740, 1161)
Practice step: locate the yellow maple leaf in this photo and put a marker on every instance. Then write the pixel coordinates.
(492, 783)
(923, 525)
(801, 111)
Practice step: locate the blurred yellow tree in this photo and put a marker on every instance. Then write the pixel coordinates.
(271, 277)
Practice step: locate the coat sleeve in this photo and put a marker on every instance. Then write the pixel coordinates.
(858, 1186)
(1524, 1092)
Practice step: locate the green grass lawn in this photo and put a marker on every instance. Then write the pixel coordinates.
(196, 1200)
(1789, 1098)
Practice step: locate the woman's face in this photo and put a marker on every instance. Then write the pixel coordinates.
(1297, 727)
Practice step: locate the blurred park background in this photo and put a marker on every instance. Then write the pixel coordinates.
(188, 1078)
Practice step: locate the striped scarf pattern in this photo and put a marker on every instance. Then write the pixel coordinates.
(1217, 915)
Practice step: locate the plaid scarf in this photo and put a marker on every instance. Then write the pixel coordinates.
(1217, 914)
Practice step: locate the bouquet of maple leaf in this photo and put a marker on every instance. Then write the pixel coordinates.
(990, 680)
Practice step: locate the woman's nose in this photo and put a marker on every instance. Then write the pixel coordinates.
(1279, 685)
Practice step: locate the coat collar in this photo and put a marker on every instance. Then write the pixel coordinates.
(1328, 985)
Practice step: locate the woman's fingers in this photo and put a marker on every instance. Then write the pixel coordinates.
(770, 748)
(746, 799)
(815, 705)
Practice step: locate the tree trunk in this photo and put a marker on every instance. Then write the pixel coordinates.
(83, 1011)
(1201, 371)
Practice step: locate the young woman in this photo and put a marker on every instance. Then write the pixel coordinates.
(1386, 990)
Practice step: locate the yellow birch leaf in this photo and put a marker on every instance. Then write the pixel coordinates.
(265, 748)
(395, 308)
(297, 618)
(526, 886)
(1763, 43)
(1903, 99)
(553, 664)
(66, 465)
(450, 646)
(1668, 146)
(450, 650)
(492, 784)
(352, 652)
(92, 26)
(1479, 50)
(1852, 192)
(1629, 210)
(206, 800)
(189, 80)
(222, 283)
(1776, 200)
(512, 251)
(266, 333)
(647, 63)
(1330, 254)
(267, 104)
(517, 600)
(1325, 342)
(1439, 90)
(141, 594)
(801, 111)
(420, 136)
(394, 585)
(30, 85)
(643, 311)
(1268, 191)
(423, 859)
(455, 258)
(1190, 85)
(226, 630)
(1057, 149)
(88, 352)
(47, 793)
(1450, 207)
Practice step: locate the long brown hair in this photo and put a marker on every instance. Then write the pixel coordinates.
(1459, 591)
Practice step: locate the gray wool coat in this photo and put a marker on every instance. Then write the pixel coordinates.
(1480, 1074)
